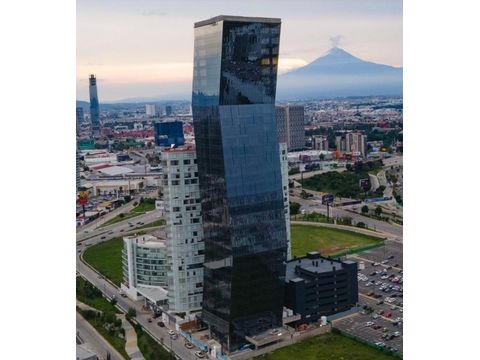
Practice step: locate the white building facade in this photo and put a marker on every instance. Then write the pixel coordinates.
(144, 264)
(185, 247)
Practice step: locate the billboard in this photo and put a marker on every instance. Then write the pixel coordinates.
(365, 184)
(327, 199)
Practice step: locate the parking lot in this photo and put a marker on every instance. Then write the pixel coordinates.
(380, 286)
(382, 253)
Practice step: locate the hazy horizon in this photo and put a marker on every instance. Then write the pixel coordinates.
(144, 48)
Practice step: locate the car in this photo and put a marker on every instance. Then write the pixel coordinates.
(200, 354)
(381, 312)
(161, 324)
(110, 232)
(274, 331)
(389, 267)
(374, 316)
(396, 333)
(380, 344)
(376, 327)
(388, 315)
(384, 261)
(171, 332)
(373, 273)
(375, 264)
(369, 323)
(121, 230)
(188, 345)
(103, 237)
(149, 320)
(131, 225)
(396, 265)
(379, 302)
(391, 257)
(138, 223)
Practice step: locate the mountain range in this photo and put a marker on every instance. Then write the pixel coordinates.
(340, 74)
(336, 74)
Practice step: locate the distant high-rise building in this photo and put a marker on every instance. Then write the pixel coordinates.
(168, 110)
(185, 246)
(233, 103)
(79, 118)
(77, 170)
(94, 106)
(320, 142)
(169, 133)
(150, 110)
(353, 142)
(291, 126)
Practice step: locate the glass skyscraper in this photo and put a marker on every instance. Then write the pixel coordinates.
(233, 104)
(94, 105)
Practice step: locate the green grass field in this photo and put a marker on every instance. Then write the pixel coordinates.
(327, 241)
(151, 350)
(119, 218)
(327, 347)
(106, 257)
(87, 294)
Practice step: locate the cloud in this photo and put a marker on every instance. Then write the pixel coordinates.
(335, 40)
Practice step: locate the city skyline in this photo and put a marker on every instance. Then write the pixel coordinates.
(156, 61)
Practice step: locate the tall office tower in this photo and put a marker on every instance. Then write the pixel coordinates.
(291, 126)
(185, 246)
(320, 142)
(94, 106)
(77, 170)
(168, 110)
(233, 103)
(286, 195)
(150, 110)
(79, 119)
(169, 133)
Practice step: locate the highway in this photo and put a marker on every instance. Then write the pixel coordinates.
(389, 230)
(94, 341)
(109, 290)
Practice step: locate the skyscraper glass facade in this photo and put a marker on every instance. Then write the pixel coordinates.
(94, 105)
(233, 104)
(169, 133)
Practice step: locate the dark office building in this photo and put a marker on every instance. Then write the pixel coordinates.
(94, 106)
(79, 118)
(317, 286)
(168, 110)
(233, 104)
(169, 133)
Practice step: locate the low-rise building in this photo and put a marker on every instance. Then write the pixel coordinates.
(144, 263)
(318, 286)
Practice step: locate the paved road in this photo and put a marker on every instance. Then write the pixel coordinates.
(95, 341)
(124, 303)
(123, 225)
(391, 230)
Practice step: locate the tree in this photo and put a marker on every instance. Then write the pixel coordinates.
(294, 208)
(364, 209)
(378, 211)
(131, 312)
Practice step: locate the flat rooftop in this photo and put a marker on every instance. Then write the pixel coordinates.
(237, 19)
(315, 265)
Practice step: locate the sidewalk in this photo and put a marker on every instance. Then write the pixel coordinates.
(131, 346)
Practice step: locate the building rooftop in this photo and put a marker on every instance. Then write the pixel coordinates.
(146, 241)
(314, 263)
(237, 19)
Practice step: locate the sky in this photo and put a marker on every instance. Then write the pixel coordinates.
(144, 48)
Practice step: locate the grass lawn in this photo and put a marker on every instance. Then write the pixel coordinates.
(87, 294)
(144, 207)
(328, 347)
(112, 337)
(327, 241)
(106, 257)
(140, 209)
(151, 350)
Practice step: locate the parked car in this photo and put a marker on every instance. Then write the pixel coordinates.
(149, 320)
(200, 354)
(103, 237)
(161, 324)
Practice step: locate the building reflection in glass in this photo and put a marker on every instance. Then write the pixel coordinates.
(233, 103)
